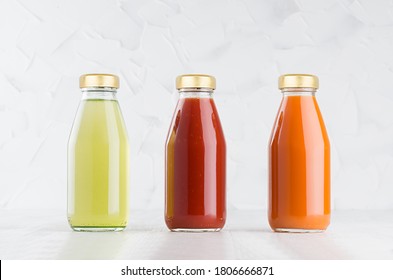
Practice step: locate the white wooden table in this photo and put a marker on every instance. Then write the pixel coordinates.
(46, 235)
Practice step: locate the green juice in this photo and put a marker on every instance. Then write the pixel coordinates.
(98, 167)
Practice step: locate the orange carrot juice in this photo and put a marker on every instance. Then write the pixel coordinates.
(299, 160)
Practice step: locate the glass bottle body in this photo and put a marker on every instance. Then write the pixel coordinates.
(299, 165)
(98, 164)
(195, 165)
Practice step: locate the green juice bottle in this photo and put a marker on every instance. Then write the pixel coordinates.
(98, 159)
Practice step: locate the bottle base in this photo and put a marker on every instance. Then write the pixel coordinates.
(195, 229)
(298, 230)
(97, 229)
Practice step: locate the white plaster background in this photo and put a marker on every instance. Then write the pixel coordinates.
(45, 46)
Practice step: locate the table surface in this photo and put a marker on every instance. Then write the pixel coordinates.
(46, 235)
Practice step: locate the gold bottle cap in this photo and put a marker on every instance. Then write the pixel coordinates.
(98, 80)
(195, 81)
(298, 81)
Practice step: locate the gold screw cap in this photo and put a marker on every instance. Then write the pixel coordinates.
(298, 81)
(98, 80)
(195, 81)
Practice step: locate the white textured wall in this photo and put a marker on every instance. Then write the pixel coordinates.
(45, 46)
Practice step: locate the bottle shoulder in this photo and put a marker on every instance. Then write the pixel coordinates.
(299, 120)
(196, 119)
(98, 120)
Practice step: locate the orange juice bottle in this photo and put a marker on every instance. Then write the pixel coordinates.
(299, 160)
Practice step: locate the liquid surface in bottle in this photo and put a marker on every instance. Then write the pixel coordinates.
(195, 167)
(98, 167)
(299, 161)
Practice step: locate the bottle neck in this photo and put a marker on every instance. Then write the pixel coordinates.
(298, 91)
(99, 93)
(196, 93)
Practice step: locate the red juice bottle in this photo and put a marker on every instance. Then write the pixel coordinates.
(195, 154)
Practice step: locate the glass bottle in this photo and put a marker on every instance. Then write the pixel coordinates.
(195, 159)
(299, 160)
(98, 159)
